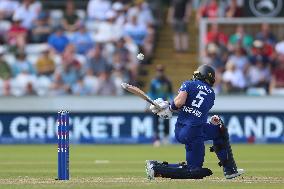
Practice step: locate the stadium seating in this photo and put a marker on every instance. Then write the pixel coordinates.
(49, 16)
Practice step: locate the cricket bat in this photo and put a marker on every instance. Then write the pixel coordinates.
(138, 92)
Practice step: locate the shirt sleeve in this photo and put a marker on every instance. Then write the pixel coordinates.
(185, 87)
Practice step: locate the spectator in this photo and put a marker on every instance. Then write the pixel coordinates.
(22, 65)
(7, 8)
(91, 82)
(136, 32)
(5, 70)
(233, 10)
(179, 16)
(79, 88)
(58, 87)
(27, 13)
(161, 87)
(266, 35)
(259, 74)
(261, 52)
(5, 88)
(122, 51)
(17, 35)
(277, 80)
(41, 28)
(23, 75)
(123, 61)
(70, 72)
(45, 65)
(69, 76)
(23, 84)
(119, 9)
(108, 31)
(142, 12)
(132, 48)
(57, 40)
(121, 56)
(209, 9)
(82, 40)
(120, 72)
(36, 6)
(30, 90)
(106, 85)
(70, 19)
(97, 9)
(149, 42)
(239, 59)
(233, 79)
(240, 37)
(97, 63)
(69, 57)
(213, 58)
(43, 84)
(216, 36)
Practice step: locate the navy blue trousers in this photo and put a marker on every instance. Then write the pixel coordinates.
(194, 137)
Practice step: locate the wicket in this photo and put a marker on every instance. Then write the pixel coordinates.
(63, 145)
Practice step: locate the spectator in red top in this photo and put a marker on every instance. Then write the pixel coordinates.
(215, 36)
(233, 10)
(69, 57)
(260, 49)
(209, 9)
(17, 34)
(277, 81)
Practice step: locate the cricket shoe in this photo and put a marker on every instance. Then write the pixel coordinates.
(231, 175)
(149, 166)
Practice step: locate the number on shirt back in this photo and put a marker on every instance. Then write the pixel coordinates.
(198, 99)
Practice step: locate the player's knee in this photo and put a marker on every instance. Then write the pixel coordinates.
(183, 137)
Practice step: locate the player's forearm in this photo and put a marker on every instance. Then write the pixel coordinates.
(179, 101)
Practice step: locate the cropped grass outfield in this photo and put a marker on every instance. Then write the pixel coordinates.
(122, 166)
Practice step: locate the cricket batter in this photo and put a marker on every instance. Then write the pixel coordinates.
(193, 102)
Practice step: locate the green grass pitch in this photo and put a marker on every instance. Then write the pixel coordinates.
(122, 166)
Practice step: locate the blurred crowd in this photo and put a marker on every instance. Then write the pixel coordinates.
(81, 52)
(220, 8)
(251, 63)
(90, 52)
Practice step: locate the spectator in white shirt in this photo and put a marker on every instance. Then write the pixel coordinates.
(259, 74)
(36, 6)
(97, 9)
(137, 32)
(233, 79)
(106, 84)
(26, 12)
(108, 31)
(7, 8)
(143, 13)
(119, 8)
(239, 58)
